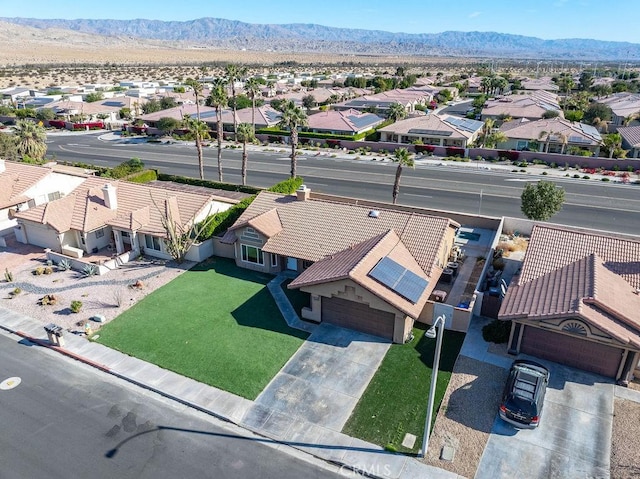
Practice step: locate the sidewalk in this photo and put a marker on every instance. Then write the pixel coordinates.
(318, 441)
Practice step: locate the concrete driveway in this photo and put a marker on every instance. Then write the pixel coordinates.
(320, 384)
(573, 439)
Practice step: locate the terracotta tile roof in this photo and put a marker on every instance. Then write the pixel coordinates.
(552, 247)
(322, 226)
(357, 261)
(138, 208)
(435, 125)
(268, 224)
(585, 289)
(350, 120)
(532, 105)
(575, 133)
(16, 180)
(631, 135)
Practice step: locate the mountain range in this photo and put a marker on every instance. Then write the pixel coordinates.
(230, 34)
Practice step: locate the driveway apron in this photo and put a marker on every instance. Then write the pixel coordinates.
(573, 439)
(321, 384)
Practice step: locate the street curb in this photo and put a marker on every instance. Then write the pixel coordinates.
(45, 343)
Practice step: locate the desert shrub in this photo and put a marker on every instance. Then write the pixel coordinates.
(143, 177)
(64, 265)
(48, 270)
(496, 331)
(76, 306)
(48, 299)
(89, 270)
(38, 271)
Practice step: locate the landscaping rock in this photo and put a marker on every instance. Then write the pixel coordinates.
(98, 318)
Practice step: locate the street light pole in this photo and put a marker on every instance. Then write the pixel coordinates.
(431, 333)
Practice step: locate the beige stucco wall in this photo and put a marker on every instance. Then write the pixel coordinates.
(223, 250)
(460, 321)
(249, 238)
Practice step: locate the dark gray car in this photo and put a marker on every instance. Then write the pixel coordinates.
(523, 395)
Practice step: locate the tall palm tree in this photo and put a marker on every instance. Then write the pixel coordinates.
(197, 88)
(397, 112)
(252, 87)
(403, 158)
(292, 118)
(30, 139)
(200, 131)
(218, 99)
(234, 73)
(245, 135)
(612, 142)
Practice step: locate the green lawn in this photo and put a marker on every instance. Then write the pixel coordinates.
(216, 323)
(298, 299)
(395, 402)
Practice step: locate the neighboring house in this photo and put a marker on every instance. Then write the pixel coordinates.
(366, 268)
(532, 106)
(343, 122)
(105, 109)
(631, 140)
(576, 301)
(555, 135)
(540, 84)
(409, 98)
(117, 215)
(624, 106)
(433, 129)
(24, 186)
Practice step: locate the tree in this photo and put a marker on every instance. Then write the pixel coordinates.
(403, 158)
(548, 114)
(45, 114)
(200, 131)
(150, 106)
(598, 110)
(8, 144)
(168, 124)
(30, 140)
(93, 97)
(292, 118)
(309, 101)
(396, 112)
(197, 88)
(573, 115)
(245, 135)
(252, 87)
(218, 99)
(541, 200)
(612, 142)
(234, 73)
(167, 102)
(490, 137)
(586, 81)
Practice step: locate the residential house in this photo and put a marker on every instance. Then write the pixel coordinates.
(117, 215)
(343, 122)
(625, 107)
(409, 98)
(24, 186)
(532, 106)
(433, 129)
(370, 267)
(631, 140)
(555, 135)
(576, 301)
(539, 84)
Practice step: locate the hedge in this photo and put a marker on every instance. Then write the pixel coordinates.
(423, 148)
(224, 220)
(208, 184)
(287, 187)
(146, 176)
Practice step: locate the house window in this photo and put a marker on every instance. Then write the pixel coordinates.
(125, 234)
(152, 242)
(251, 254)
(274, 260)
(522, 144)
(31, 203)
(306, 263)
(100, 233)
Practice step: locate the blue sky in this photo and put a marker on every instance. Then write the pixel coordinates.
(548, 19)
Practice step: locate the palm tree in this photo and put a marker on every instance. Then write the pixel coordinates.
(252, 87)
(218, 99)
(30, 139)
(612, 142)
(234, 73)
(292, 118)
(200, 131)
(245, 135)
(197, 87)
(547, 139)
(397, 112)
(403, 158)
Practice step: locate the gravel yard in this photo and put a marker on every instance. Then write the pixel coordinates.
(467, 413)
(108, 295)
(625, 454)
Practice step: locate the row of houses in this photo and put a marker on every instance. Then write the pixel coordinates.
(575, 300)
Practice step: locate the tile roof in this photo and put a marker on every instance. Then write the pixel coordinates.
(324, 225)
(631, 134)
(16, 180)
(139, 208)
(622, 104)
(576, 133)
(357, 261)
(433, 124)
(532, 105)
(585, 289)
(343, 120)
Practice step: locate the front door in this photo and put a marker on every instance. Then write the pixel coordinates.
(292, 264)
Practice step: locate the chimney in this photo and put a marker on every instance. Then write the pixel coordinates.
(110, 196)
(303, 193)
(2, 167)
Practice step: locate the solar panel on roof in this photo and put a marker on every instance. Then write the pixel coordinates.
(418, 131)
(399, 279)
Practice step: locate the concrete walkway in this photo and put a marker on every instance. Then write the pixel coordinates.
(320, 441)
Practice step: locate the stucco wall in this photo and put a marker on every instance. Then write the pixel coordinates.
(201, 251)
(222, 249)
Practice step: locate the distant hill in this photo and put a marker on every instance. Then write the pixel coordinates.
(297, 37)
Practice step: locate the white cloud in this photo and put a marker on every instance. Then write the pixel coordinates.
(475, 14)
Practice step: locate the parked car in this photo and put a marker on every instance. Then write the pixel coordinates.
(524, 393)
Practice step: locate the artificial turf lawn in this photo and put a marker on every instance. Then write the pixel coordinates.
(215, 323)
(298, 299)
(395, 402)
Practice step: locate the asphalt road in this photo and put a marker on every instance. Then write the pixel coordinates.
(611, 207)
(66, 420)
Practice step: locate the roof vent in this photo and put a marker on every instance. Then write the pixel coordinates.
(374, 214)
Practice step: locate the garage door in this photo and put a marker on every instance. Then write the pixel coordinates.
(42, 236)
(579, 353)
(358, 316)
